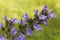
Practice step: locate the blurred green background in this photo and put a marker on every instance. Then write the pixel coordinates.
(15, 9)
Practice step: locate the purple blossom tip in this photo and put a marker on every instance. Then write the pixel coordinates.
(46, 7)
(2, 38)
(16, 38)
(42, 17)
(37, 27)
(35, 11)
(5, 18)
(1, 25)
(29, 32)
(51, 14)
(25, 16)
(14, 21)
(46, 23)
(22, 21)
(22, 37)
(13, 31)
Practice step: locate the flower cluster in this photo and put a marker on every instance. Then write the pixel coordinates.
(26, 25)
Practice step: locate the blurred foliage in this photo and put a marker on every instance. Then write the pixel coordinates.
(15, 9)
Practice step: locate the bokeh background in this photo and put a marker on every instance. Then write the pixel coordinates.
(16, 8)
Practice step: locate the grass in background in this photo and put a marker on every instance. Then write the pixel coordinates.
(15, 8)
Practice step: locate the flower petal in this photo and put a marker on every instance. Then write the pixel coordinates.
(16, 38)
(13, 31)
(29, 32)
(51, 14)
(22, 37)
(46, 23)
(25, 16)
(14, 21)
(5, 18)
(46, 7)
(42, 17)
(35, 11)
(37, 27)
(2, 38)
(1, 25)
(22, 21)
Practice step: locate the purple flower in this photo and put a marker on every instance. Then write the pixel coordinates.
(40, 13)
(16, 38)
(25, 16)
(2, 38)
(42, 17)
(22, 37)
(13, 20)
(35, 11)
(46, 23)
(5, 18)
(22, 21)
(37, 27)
(51, 14)
(1, 25)
(29, 32)
(13, 31)
(46, 7)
